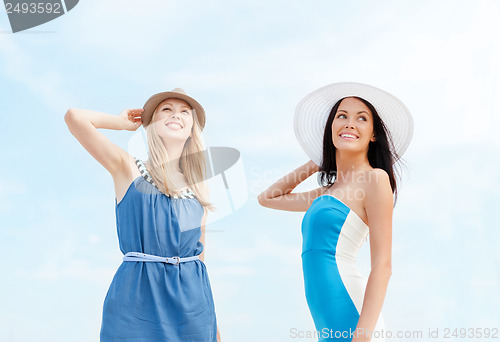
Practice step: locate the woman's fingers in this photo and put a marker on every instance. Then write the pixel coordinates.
(135, 114)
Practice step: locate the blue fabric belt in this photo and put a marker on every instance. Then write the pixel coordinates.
(136, 256)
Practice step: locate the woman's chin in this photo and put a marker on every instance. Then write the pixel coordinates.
(174, 137)
(349, 148)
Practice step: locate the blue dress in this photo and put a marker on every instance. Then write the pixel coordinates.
(154, 301)
(332, 235)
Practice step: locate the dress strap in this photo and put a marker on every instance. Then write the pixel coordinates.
(186, 193)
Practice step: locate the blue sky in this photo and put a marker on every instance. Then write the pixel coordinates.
(249, 64)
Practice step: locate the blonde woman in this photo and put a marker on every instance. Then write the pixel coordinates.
(161, 291)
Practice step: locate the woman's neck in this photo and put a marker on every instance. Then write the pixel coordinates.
(174, 152)
(349, 164)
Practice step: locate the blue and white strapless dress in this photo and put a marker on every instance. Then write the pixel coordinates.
(332, 236)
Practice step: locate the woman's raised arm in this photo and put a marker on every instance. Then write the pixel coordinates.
(279, 196)
(83, 124)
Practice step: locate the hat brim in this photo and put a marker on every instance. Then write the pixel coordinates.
(313, 110)
(153, 102)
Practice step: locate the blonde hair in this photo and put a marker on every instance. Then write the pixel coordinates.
(192, 162)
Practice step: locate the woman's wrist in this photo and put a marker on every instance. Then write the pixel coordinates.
(107, 121)
(312, 167)
(305, 171)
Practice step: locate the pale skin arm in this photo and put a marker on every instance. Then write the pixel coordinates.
(379, 208)
(83, 124)
(279, 195)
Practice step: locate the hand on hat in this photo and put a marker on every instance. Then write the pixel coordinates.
(131, 119)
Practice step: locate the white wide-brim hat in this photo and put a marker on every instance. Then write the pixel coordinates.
(313, 110)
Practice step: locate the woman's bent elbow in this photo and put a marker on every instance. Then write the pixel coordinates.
(69, 114)
(262, 200)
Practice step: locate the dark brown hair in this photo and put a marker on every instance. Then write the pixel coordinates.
(381, 152)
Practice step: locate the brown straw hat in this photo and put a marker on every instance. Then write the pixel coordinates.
(177, 93)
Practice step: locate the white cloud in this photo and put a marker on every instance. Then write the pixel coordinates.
(41, 79)
(465, 67)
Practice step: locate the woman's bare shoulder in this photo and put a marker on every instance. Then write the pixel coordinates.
(377, 175)
(378, 182)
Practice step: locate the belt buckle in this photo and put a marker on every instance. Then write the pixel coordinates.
(178, 260)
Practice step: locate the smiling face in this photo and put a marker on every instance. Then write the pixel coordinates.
(174, 119)
(352, 126)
